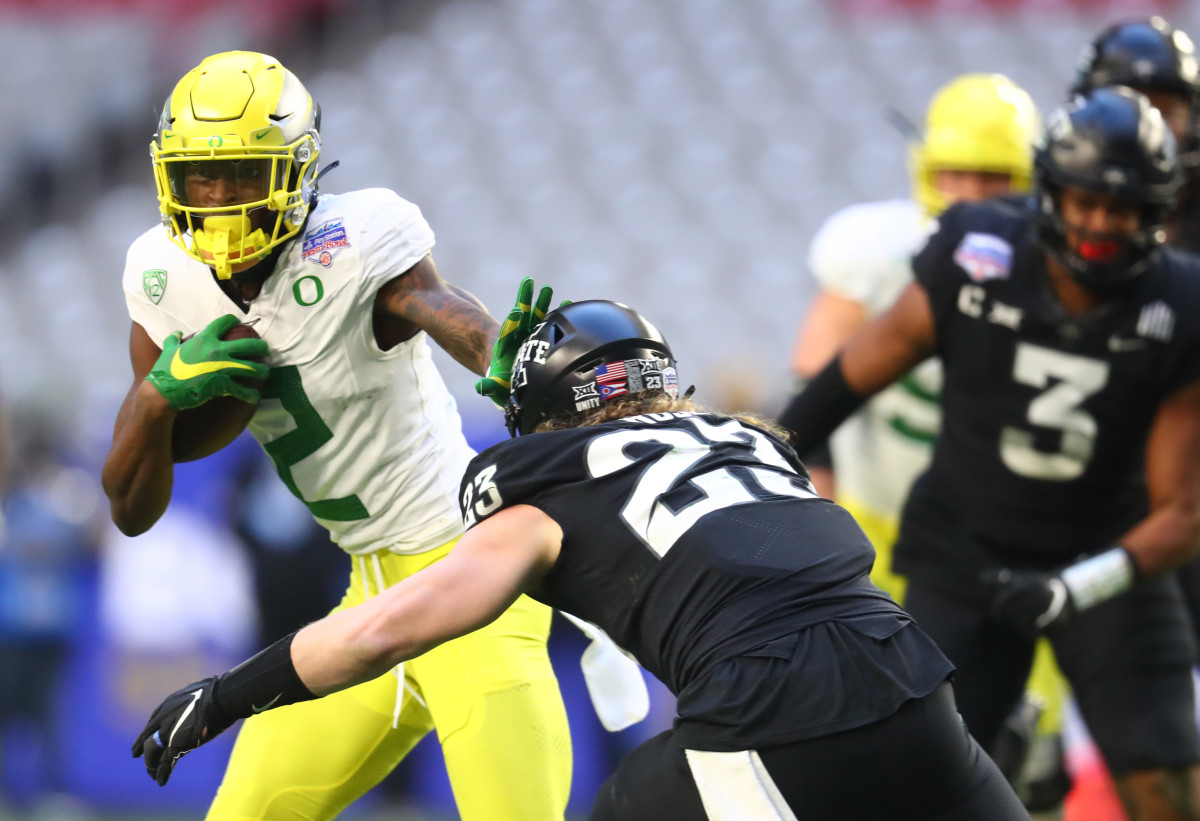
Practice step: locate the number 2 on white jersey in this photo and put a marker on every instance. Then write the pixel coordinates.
(310, 435)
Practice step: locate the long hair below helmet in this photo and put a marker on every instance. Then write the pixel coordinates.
(1108, 141)
(582, 355)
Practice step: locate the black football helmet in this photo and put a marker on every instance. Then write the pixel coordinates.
(1145, 55)
(581, 355)
(1108, 141)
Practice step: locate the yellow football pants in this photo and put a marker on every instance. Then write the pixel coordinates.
(1045, 680)
(491, 695)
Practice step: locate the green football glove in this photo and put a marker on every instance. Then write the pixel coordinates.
(192, 371)
(515, 329)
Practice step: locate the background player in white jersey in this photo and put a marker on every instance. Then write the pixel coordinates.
(978, 142)
(343, 292)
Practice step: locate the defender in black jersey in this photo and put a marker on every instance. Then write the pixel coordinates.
(1066, 479)
(1153, 57)
(696, 541)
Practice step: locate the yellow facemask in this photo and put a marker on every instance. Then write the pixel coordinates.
(236, 109)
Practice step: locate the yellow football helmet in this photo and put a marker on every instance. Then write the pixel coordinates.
(979, 122)
(235, 159)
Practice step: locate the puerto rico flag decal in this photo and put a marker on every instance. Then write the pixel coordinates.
(325, 242)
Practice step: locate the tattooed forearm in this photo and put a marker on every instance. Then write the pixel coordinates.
(460, 326)
(454, 317)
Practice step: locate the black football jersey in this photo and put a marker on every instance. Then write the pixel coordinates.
(1045, 415)
(1184, 230)
(687, 537)
(696, 542)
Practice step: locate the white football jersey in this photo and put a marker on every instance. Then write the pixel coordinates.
(862, 253)
(370, 440)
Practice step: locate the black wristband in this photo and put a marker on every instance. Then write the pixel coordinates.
(261, 682)
(817, 411)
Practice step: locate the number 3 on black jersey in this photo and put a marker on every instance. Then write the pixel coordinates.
(1067, 381)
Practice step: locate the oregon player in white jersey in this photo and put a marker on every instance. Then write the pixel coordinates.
(344, 294)
(977, 142)
(330, 382)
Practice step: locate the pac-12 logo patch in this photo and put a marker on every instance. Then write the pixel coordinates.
(325, 242)
(984, 256)
(154, 282)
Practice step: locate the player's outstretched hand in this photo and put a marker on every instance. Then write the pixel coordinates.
(515, 329)
(1029, 601)
(186, 719)
(192, 371)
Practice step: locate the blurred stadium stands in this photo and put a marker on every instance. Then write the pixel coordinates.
(673, 154)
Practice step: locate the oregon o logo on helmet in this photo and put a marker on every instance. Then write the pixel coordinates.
(215, 141)
(308, 290)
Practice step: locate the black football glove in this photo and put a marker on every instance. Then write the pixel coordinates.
(1030, 601)
(186, 719)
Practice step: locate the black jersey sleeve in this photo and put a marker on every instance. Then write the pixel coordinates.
(1183, 366)
(518, 472)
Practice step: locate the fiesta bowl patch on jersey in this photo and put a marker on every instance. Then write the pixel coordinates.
(325, 242)
(984, 256)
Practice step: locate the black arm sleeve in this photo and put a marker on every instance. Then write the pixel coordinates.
(262, 682)
(819, 456)
(817, 411)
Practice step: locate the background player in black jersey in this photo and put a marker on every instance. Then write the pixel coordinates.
(1155, 58)
(698, 543)
(1158, 60)
(1066, 480)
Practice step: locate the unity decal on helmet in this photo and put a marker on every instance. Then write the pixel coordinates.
(154, 282)
(615, 379)
(582, 354)
(325, 242)
(586, 396)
